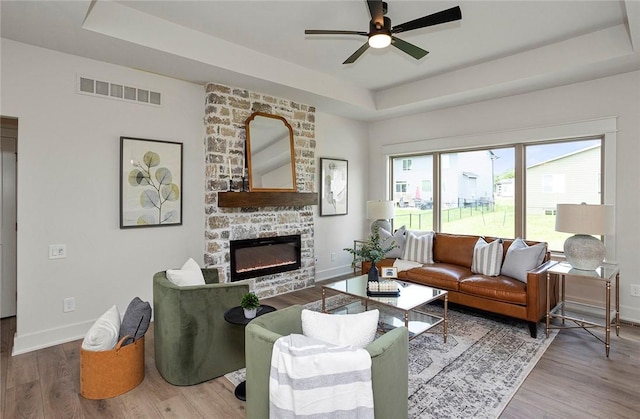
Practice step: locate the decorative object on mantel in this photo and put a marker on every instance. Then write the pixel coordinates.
(371, 251)
(150, 183)
(381, 212)
(270, 153)
(583, 251)
(333, 186)
(250, 304)
(245, 180)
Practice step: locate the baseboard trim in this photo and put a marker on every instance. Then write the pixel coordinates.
(333, 272)
(46, 338)
(628, 315)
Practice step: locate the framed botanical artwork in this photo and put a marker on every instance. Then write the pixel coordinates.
(389, 272)
(150, 183)
(333, 186)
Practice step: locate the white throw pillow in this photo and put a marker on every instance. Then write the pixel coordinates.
(189, 275)
(487, 257)
(341, 329)
(521, 258)
(103, 335)
(387, 239)
(419, 247)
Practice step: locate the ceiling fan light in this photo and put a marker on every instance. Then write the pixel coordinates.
(379, 40)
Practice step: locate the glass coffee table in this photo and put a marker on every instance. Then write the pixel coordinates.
(403, 308)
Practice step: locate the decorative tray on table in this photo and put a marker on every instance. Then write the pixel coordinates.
(383, 288)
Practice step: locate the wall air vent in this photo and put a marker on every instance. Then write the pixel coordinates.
(119, 91)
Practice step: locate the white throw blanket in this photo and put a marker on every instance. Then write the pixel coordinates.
(405, 265)
(313, 379)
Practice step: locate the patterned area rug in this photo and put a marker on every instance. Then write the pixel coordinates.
(475, 374)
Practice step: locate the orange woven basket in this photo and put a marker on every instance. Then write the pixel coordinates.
(106, 374)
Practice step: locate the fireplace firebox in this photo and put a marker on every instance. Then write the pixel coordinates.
(251, 258)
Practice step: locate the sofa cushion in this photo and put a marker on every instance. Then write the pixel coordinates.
(500, 288)
(341, 329)
(521, 258)
(487, 257)
(454, 248)
(398, 238)
(419, 247)
(189, 275)
(440, 275)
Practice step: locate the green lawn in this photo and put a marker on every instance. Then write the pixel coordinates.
(498, 222)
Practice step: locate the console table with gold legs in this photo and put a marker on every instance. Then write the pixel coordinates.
(605, 275)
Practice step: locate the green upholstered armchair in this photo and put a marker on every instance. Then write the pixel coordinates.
(193, 342)
(389, 364)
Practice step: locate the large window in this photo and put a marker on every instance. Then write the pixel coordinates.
(476, 191)
(414, 199)
(471, 204)
(559, 173)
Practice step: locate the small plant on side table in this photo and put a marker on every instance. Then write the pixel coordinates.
(372, 250)
(250, 304)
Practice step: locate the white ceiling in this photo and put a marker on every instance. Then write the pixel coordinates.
(499, 48)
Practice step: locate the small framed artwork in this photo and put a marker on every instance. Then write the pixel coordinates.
(333, 186)
(389, 272)
(150, 183)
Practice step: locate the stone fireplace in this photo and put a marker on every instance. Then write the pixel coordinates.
(226, 109)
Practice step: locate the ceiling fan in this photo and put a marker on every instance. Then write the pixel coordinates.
(381, 32)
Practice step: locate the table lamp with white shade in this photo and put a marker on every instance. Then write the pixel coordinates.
(381, 212)
(583, 251)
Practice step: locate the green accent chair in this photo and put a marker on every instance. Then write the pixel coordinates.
(389, 364)
(193, 342)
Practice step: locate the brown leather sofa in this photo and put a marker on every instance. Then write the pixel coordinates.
(451, 271)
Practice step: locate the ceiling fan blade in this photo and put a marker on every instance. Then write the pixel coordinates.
(444, 16)
(330, 32)
(376, 11)
(414, 51)
(357, 54)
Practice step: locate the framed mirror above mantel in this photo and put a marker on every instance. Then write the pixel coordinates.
(270, 153)
(270, 157)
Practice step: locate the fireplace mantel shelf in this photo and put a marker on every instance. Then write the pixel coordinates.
(266, 199)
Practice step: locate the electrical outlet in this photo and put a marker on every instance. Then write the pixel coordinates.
(333, 256)
(57, 251)
(69, 304)
(635, 290)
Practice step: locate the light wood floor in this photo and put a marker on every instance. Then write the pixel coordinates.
(573, 379)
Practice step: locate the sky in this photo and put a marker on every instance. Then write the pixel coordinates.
(537, 153)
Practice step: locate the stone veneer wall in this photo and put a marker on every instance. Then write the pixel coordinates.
(226, 109)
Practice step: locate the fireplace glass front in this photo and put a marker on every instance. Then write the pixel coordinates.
(251, 258)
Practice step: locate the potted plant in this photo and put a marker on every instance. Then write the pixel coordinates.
(371, 251)
(250, 305)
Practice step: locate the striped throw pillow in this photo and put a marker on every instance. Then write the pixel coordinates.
(487, 257)
(419, 247)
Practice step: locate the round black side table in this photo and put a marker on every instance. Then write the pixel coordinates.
(235, 315)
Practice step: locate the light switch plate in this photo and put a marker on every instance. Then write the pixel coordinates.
(57, 251)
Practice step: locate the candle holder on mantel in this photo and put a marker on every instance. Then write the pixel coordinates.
(230, 189)
(245, 181)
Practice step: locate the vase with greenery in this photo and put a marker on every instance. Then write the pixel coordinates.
(250, 304)
(372, 250)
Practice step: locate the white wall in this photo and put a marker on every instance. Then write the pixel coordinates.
(341, 138)
(617, 96)
(68, 177)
